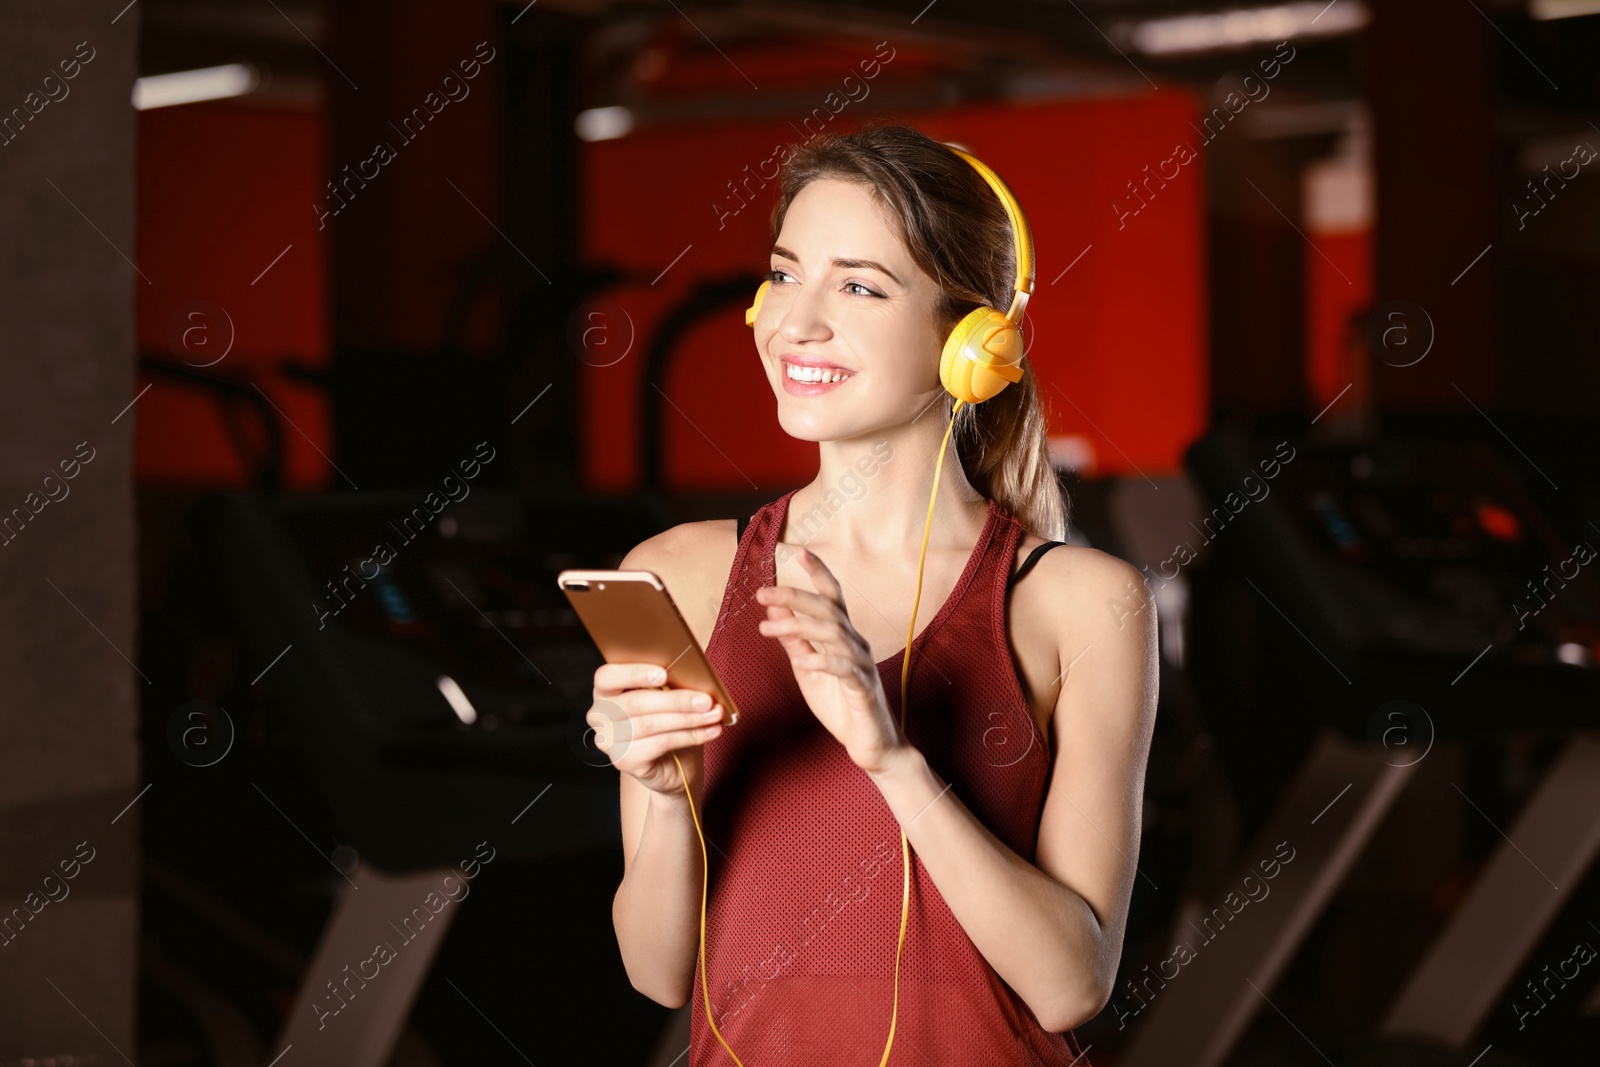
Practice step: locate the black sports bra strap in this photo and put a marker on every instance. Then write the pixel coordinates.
(744, 520)
(1033, 557)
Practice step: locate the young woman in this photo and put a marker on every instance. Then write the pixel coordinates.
(1018, 778)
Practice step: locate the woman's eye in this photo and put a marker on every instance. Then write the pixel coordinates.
(776, 276)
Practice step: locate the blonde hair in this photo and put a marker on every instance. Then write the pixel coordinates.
(956, 230)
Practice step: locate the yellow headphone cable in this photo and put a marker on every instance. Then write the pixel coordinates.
(905, 845)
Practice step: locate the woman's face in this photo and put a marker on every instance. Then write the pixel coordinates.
(845, 294)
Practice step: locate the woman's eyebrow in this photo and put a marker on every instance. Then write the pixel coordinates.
(848, 264)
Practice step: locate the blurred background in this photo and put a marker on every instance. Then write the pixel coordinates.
(331, 331)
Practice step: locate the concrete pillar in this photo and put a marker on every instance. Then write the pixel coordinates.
(69, 690)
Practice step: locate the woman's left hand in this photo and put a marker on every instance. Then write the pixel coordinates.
(833, 666)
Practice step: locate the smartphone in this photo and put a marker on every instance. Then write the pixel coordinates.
(632, 619)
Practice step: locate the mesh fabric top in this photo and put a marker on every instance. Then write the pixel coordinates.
(805, 875)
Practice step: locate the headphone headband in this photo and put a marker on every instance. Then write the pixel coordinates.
(1021, 234)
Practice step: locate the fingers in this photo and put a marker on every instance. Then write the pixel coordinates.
(610, 679)
(847, 668)
(802, 602)
(829, 635)
(635, 727)
(840, 651)
(634, 722)
(821, 576)
(646, 702)
(632, 754)
(653, 748)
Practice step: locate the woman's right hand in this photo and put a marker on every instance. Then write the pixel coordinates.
(639, 725)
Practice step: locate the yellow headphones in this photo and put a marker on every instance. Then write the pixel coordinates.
(982, 355)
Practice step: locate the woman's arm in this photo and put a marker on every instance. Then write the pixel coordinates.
(656, 910)
(1054, 931)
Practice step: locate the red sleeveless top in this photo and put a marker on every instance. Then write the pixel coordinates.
(803, 913)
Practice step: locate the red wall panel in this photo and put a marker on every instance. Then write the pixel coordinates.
(223, 189)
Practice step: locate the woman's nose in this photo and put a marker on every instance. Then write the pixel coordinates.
(805, 317)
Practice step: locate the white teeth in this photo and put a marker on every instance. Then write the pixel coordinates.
(815, 374)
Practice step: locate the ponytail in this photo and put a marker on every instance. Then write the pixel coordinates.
(1006, 456)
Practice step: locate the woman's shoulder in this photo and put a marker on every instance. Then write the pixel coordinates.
(1075, 598)
(1070, 577)
(1065, 557)
(688, 546)
(693, 560)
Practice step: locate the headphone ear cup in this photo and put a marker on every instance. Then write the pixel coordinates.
(982, 355)
(755, 308)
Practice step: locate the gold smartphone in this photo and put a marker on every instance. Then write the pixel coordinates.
(632, 618)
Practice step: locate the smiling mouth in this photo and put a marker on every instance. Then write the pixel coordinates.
(797, 373)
